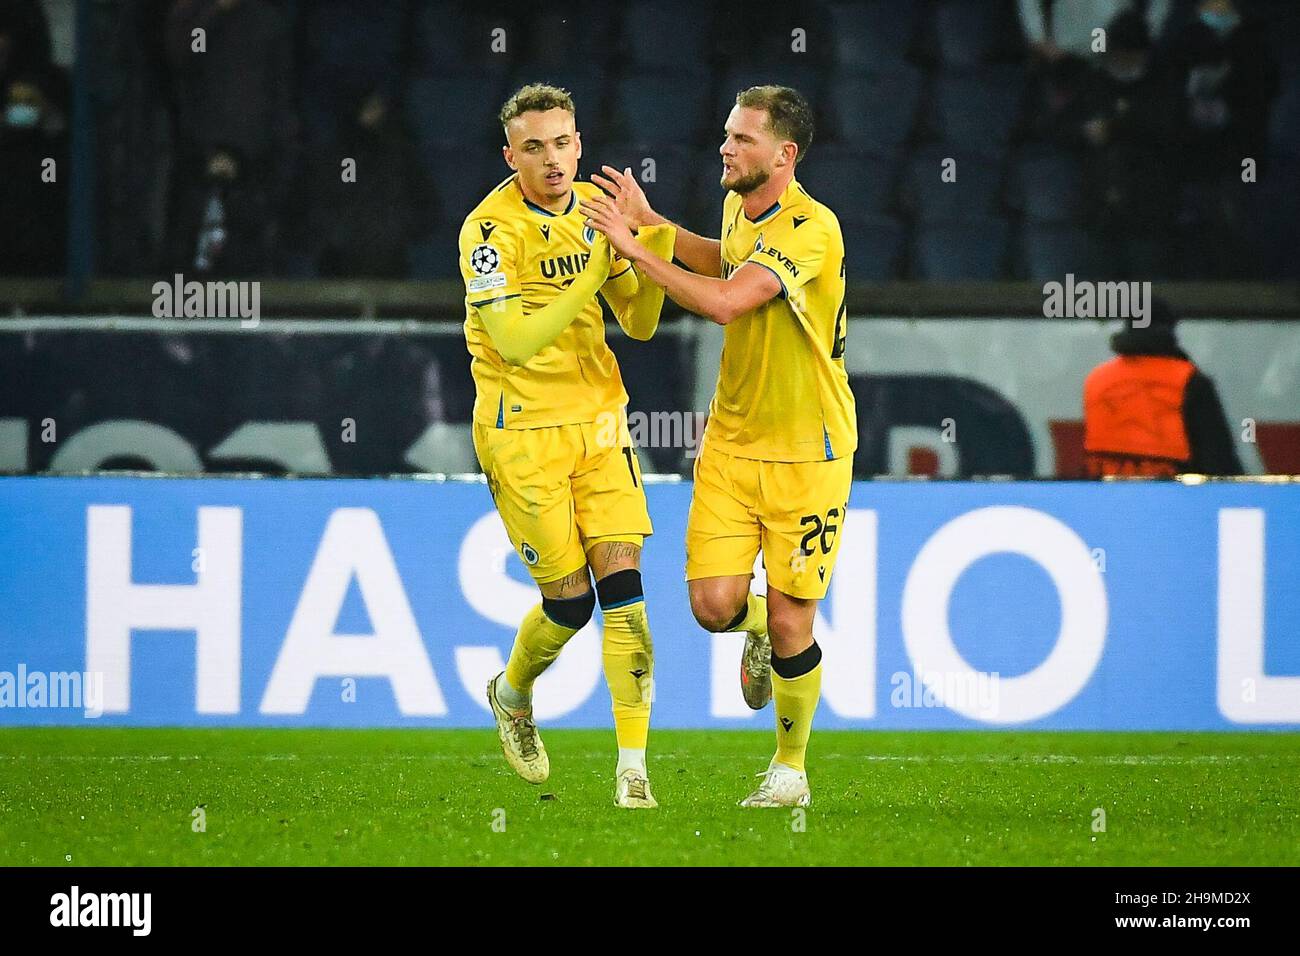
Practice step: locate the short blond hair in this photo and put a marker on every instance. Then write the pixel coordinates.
(788, 114)
(535, 96)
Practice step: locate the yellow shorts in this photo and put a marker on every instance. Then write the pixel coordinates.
(793, 511)
(559, 488)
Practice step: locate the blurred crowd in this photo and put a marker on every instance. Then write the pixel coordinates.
(220, 130)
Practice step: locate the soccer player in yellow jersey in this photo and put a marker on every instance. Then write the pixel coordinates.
(550, 427)
(776, 464)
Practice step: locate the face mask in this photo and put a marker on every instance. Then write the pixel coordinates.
(1220, 23)
(22, 115)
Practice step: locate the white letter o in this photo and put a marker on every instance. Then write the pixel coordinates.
(1058, 550)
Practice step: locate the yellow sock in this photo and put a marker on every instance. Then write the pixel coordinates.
(755, 619)
(796, 702)
(537, 645)
(629, 659)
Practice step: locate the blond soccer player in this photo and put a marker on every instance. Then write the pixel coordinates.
(550, 426)
(775, 466)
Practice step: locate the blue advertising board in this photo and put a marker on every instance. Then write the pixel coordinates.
(390, 602)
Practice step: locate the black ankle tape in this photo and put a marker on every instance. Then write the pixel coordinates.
(620, 588)
(791, 667)
(573, 613)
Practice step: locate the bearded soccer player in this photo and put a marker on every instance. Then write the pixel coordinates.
(550, 428)
(776, 463)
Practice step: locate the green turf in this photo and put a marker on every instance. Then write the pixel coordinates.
(109, 796)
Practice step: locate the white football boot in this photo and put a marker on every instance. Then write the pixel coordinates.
(632, 791)
(520, 741)
(782, 786)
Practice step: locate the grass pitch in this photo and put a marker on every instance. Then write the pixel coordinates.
(116, 796)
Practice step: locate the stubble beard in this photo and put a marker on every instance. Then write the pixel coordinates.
(748, 183)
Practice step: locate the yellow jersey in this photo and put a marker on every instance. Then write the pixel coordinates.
(510, 247)
(783, 393)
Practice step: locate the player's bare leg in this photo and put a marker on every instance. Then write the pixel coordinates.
(725, 604)
(566, 607)
(628, 655)
(796, 678)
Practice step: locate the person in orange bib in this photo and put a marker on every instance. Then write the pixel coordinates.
(1151, 412)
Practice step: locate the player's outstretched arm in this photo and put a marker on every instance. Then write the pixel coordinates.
(637, 304)
(719, 300)
(701, 254)
(518, 337)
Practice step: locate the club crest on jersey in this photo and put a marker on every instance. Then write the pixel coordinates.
(484, 258)
(588, 235)
(530, 555)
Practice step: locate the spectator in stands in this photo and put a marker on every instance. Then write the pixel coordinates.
(1056, 28)
(1150, 411)
(1230, 80)
(363, 227)
(33, 129)
(1129, 132)
(235, 134)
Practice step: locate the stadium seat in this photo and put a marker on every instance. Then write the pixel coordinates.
(458, 38)
(974, 194)
(876, 112)
(668, 35)
(974, 250)
(853, 185)
(436, 256)
(873, 249)
(705, 215)
(978, 111)
(1049, 251)
(670, 165)
(1284, 123)
(569, 35)
(449, 110)
(969, 33)
(1047, 186)
(657, 108)
(441, 39)
(458, 184)
(875, 35)
(1273, 214)
(348, 51)
(359, 41)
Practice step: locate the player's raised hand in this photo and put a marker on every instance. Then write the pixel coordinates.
(603, 216)
(628, 196)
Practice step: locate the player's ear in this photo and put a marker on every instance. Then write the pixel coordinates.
(509, 155)
(577, 143)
